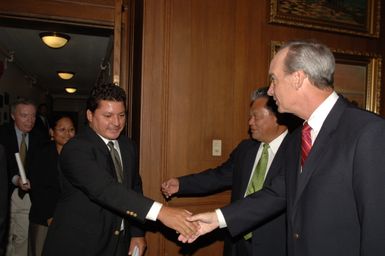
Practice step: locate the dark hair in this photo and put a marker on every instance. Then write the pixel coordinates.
(110, 92)
(21, 101)
(54, 119)
(262, 93)
(289, 120)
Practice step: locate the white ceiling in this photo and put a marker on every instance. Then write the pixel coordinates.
(83, 55)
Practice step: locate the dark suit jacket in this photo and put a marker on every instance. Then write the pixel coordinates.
(44, 178)
(9, 140)
(41, 126)
(90, 209)
(336, 206)
(270, 238)
(4, 201)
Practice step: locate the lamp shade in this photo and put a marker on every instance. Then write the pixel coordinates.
(71, 89)
(54, 40)
(65, 75)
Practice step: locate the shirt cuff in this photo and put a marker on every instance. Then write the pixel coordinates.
(154, 211)
(221, 219)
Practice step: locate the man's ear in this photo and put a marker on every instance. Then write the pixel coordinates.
(13, 117)
(89, 115)
(298, 77)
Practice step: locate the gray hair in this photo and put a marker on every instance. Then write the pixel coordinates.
(21, 101)
(314, 59)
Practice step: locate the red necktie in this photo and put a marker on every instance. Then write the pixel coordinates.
(306, 142)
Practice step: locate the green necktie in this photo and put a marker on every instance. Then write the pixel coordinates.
(256, 181)
(116, 160)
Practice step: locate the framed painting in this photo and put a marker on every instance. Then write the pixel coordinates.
(357, 17)
(357, 77)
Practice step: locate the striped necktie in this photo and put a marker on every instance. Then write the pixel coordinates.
(117, 163)
(306, 143)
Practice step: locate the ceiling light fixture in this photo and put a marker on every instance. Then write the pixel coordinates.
(65, 75)
(54, 40)
(71, 89)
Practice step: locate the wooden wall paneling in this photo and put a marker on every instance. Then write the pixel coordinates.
(200, 92)
(382, 51)
(118, 37)
(199, 67)
(90, 12)
(152, 108)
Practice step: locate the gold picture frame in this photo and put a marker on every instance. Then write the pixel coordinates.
(357, 76)
(350, 17)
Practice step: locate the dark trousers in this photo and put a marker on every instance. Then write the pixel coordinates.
(244, 247)
(123, 244)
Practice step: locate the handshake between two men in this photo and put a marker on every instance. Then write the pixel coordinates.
(189, 226)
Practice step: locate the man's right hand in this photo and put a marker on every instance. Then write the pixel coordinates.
(207, 222)
(170, 187)
(176, 219)
(25, 186)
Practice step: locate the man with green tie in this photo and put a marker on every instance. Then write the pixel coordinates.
(245, 172)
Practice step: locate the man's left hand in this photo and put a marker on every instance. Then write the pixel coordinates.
(139, 242)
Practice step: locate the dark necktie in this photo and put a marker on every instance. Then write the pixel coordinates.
(258, 178)
(117, 163)
(306, 142)
(23, 155)
(23, 148)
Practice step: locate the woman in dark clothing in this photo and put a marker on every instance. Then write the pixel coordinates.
(45, 188)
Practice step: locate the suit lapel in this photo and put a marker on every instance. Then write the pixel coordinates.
(319, 147)
(248, 167)
(103, 148)
(275, 166)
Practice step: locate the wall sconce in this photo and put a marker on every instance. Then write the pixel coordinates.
(71, 89)
(54, 40)
(65, 75)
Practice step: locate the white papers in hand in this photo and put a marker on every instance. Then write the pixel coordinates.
(21, 168)
(135, 252)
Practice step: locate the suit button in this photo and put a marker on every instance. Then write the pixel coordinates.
(116, 233)
(296, 236)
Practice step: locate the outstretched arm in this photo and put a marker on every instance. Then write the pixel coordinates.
(170, 187)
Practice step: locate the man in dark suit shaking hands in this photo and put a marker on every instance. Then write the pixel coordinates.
(334, 189)
(102, 199)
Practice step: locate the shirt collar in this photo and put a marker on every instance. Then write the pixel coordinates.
(318, 117)
(274, 144)
(19, 132)
(116, 144)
